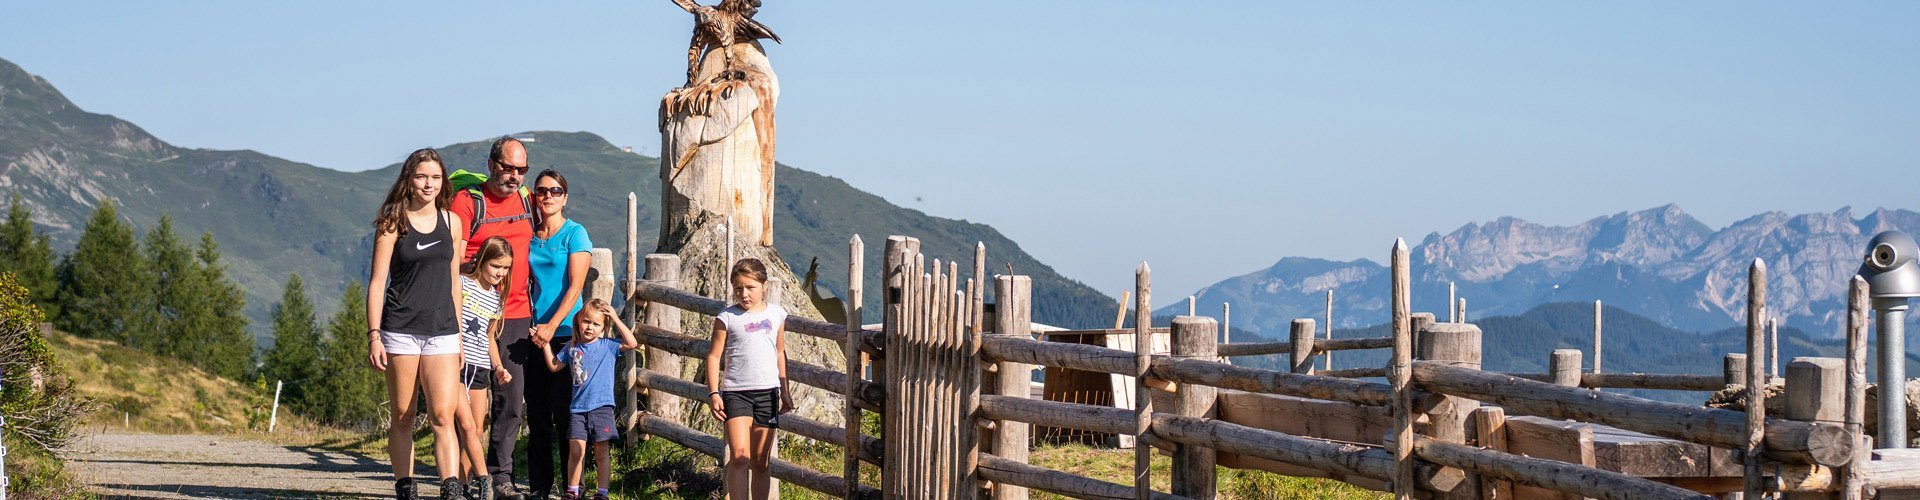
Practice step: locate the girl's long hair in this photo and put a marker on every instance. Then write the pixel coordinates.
(493, 248)
(393, 211)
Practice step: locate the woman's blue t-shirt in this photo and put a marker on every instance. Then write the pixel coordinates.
(547, 264)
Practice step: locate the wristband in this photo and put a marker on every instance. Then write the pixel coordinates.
(714, 393)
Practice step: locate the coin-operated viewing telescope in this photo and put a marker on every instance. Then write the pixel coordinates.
(1892, 278)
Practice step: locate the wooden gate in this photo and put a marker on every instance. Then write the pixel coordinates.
(933, 326)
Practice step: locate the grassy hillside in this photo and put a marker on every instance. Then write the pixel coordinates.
(273, 217)
(149, 393)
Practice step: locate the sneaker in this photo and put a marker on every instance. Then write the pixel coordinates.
(503, 489)
(569, 496)
(599, 496)
(480, 488)
(452, 489)
(404, 489)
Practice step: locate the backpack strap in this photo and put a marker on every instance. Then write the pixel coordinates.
(480, 212)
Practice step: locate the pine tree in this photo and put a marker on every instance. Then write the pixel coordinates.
(179, 293)
(351, 392)
(28, 256)
(104, 286)
(222, 332)
(295, 357)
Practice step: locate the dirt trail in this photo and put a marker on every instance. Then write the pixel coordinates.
(190, 466)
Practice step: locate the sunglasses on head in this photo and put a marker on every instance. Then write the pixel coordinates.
(511, 169)
(549, 191)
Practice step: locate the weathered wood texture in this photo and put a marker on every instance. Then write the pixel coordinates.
(664, 269)
(1852, 480)
(1014, 318)
(1564, 367)
(1554, 474)
(782, 469)
(1142, 392)
(894, 271)
(1660, 381)
(1300, 336)
(1319, 346)
(1816, 390)
(1455, 344)
(1757, 378)
(856, 360)
(1490, 432)
(1018, 474)
(1788, 441)
(1193, 466)
(1400, 374)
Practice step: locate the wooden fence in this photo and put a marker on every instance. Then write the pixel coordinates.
(948, 374)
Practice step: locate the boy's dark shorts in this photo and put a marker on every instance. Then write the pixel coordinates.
(594, 426)
(763, 405)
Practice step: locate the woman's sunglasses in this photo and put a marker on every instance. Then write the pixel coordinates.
(549, 191)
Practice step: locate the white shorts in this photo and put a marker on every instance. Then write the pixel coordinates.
(407, 344)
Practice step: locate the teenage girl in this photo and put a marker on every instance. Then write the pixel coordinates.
(749, 392)
(413, 311)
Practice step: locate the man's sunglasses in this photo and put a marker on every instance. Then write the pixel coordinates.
(549, 191)
(510, 169)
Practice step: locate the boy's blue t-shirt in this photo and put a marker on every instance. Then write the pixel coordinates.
(592, 367)
(547, 264)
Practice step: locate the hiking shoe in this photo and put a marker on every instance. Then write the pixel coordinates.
(404, 489)
(480, 488)
(452, 489)
(503, 489)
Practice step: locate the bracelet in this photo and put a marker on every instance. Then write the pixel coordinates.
(714, 393)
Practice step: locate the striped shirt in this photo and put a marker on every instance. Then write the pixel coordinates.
(480, 308)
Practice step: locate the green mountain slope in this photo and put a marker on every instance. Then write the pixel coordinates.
(273, 216)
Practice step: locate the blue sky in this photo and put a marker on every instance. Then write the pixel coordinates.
(1208, 139)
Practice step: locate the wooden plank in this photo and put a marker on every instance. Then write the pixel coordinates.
(856, 361)
(1576, 480)
(1569, 442)
(1009, 472)
(1143, 399)
(1319, 346)
(1490, 432)
(781, 469)
(1331, 420)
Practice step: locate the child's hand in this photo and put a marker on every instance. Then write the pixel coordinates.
(377, 355)
(714, 407)
(500, 374)
(608, 308)
(786, 403)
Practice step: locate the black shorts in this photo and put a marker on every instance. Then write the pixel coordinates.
(476, 378)
(594, 426)
(762, 404)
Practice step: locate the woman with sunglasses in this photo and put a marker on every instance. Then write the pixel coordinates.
(557, 260)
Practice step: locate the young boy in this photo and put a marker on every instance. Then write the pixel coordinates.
(591, 358)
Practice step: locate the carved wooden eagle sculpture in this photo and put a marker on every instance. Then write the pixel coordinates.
(722, 25)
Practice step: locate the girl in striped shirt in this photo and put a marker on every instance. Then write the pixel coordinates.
(480, 322)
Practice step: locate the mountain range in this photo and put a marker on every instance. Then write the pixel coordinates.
(1659, 263)
(274, 217)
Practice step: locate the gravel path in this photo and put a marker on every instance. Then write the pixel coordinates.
(188, 466)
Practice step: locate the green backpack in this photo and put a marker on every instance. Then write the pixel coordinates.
(471, 183)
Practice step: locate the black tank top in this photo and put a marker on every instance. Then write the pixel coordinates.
(420, 282)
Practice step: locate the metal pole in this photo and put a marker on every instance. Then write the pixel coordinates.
(1893, 371)
(273, 418)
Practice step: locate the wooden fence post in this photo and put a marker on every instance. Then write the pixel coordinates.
(1142, 393)
(1756, 376)
(1851, 479)
(1733, 369)
(1490, 432)
(1417, 322)
(1301, 339)
(1400, 374)
(663, 269)
(1013, 312)
(1564, 365)
(898, 252)
(1193, 466)
(856, 362)
(1816, 389)
(971, 373)
(1454, 344)
(1328, 356)
(1597, 345)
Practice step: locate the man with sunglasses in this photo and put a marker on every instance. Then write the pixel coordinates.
(500, 207)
